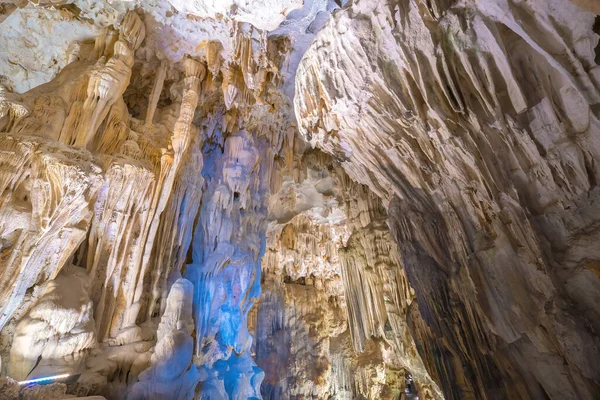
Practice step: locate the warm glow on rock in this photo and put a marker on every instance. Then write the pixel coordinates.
(299, 199)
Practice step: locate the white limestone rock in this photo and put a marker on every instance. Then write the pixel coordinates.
(59, 325)
(171, 373)
(476, 123)
(266, 15)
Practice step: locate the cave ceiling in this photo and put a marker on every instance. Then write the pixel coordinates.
(299, 199)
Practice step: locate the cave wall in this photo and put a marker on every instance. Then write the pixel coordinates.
(421, 217)
(477, 124)
(332, 320)
(134, 201)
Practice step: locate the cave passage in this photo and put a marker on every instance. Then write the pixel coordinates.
(299, 199)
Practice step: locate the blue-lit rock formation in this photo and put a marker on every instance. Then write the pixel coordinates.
(171, 373)
(137, 194)
(299, 199)
(226, 271)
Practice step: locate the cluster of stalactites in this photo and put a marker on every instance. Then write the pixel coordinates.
(477, 126)
(256, 62)
(128, 181)
(378, 296)
(119, 197)
(227, 247)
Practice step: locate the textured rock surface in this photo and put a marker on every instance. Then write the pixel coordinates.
(46, 191)
(477, 124)
(60, 324)
(266, 15)
(86, 182)
(170, 374)
(332, 319)
(167, 231)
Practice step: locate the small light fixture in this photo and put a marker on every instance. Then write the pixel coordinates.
(45, 380)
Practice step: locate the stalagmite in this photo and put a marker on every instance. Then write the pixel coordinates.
(168, 375)
(285, 199)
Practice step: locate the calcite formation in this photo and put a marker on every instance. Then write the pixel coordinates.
(170, 372)
(286, 199)
(335, 297)
(86, 183)
(60, 324)
(476, 123)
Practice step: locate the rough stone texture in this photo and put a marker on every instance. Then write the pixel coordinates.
(9, 388)
(166, 231)
(60, 324)
(263, 14)
(87, 183)
(170, 374)
(46, 191)
(332, 319)
(476, 122)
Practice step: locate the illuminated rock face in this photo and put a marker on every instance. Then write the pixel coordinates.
(112, 172)
(332, 318)
(477, 124)
(266, 15)
(171, 373)
(226, 266)
(167, 231)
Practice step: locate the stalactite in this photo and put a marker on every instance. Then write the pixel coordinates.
(156, 90)
(475, 124)
(107, 83)
(337, 289)
(135, 197)
(46, 190)
(195, 73)
(113, 250)
(418, 219)
(226, 269)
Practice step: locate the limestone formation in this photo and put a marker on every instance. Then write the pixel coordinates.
(170, 374)
(476, 123)
(60, 324)
(335, 297)
(286, 199)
